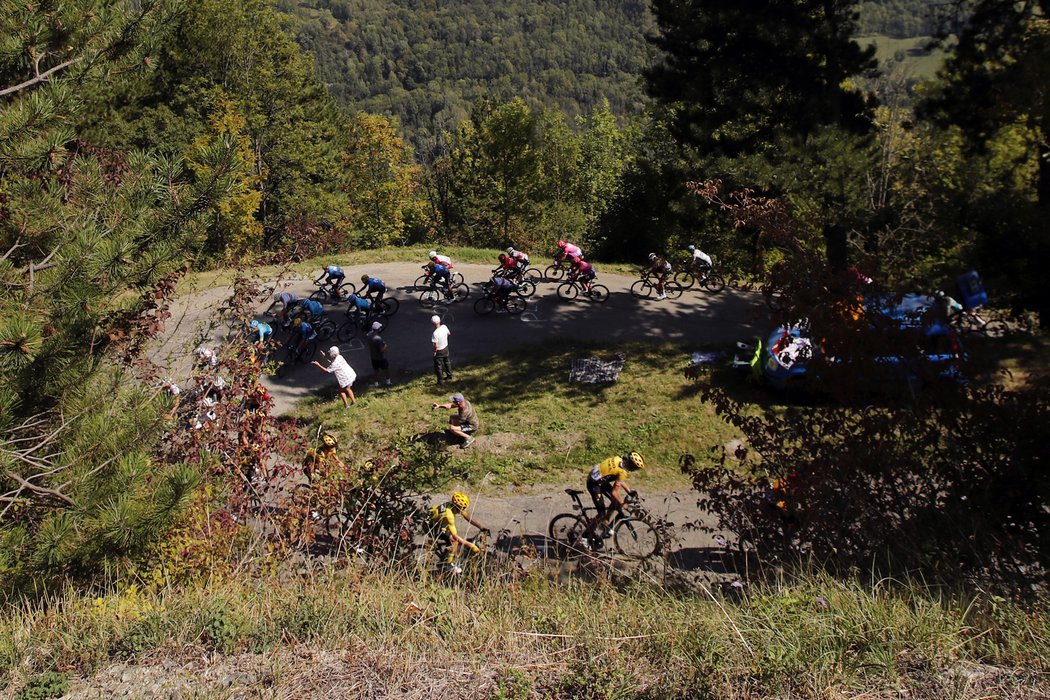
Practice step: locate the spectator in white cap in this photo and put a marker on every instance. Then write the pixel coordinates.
(377, 350)
(344, 374)
(439, 341)
(464, 423)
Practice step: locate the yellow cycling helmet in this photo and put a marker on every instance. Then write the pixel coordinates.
(328, 440)
(460, 500)
(634, 461)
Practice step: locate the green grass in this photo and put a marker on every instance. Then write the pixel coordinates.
(533, 637)
(919, 62)
(537, 428)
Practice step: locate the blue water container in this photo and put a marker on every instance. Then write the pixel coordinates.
(971, 291)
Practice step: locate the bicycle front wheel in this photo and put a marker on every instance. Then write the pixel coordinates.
(320, 296)
(484, 306)
(636, 538)
(460, 291)
(308, 352)
(567, 291)
(685, 278)
(995, 328)
(388, 306)
(428, 298)
(672, 289)
(533, 275)
(526, 288)
(643, 289)
(566, 532)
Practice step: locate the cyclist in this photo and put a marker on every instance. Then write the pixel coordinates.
(566, 251)
(440, 259)
(263, 330)
(302, 333)
(333, 275)
(507, 266)
(440, 275)
(659, 268)
(583, 273)
(289, 302)
(500, 288)
(444, 522)
(373, 288)
(464, 423)
(701, 261)
(324, 455)
(602, 483)
(313, 309)
(521, 258)
(360, 309)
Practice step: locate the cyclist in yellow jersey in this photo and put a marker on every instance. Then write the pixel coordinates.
(603, 480)
(444, 521)
(319, 458)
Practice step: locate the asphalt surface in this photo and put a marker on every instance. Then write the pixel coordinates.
(697, 317)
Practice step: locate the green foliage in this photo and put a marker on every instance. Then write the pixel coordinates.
(45, 686)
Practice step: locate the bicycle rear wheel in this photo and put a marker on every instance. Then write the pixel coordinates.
(599, 293)
(554, 273)
(635, 538)
(320, 296)
(460, 291)
(526, 288)
(516, 305)
(347, 330)
(567, 291)
(421, 282)
(996, 328)
(484, 306)
(567, 531)
(715, 283)
(672, 289)
(388, 306)
(308, 352)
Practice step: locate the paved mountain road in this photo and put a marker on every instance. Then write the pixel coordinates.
(697, 317)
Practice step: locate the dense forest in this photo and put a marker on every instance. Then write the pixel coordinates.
(426, 62)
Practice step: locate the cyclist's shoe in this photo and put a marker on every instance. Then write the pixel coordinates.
(606, 533)
(661, 297)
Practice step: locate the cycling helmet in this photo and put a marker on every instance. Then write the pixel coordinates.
(562, 244)
(690, 248)
(254, 324)
(510, 251)
(634, 461)
(432, 254)
(460, 500)
(502, 257)
(652, 256)
(328, 440)
(364, 278)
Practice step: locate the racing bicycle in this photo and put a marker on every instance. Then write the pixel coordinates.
(633, 536)
(574, 289)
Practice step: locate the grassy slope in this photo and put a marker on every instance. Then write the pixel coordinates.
(532, 637)
(919, 62)
(539, 428)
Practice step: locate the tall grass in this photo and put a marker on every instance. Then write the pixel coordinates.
(813, 637)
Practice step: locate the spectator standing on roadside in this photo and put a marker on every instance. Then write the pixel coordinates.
(439, 342)
(344, 374)
(377, 348)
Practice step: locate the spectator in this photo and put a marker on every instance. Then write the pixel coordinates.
(464, 423)
(439, 341)
(344, 374)
(377, 348)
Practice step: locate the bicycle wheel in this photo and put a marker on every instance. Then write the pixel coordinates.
(685, 278)
(526, 288)
(421, 282)
(566, 531)
(320, 296)
(460, 291)
(325, 329)
(599, 293)
(457, 279)
(388, 306)
(643, 289)
(308, 352)
(346, 331)
(533, 275)
(484, 306)
(715, 283)
(672, 289)
(429, 298)
(996, 328)
(515, 305)
(635, 538)
(554, 273)
(568, 291)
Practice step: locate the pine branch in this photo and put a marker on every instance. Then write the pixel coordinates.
(38, 77)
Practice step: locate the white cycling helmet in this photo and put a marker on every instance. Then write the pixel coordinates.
(511, 251)
(432, 254)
